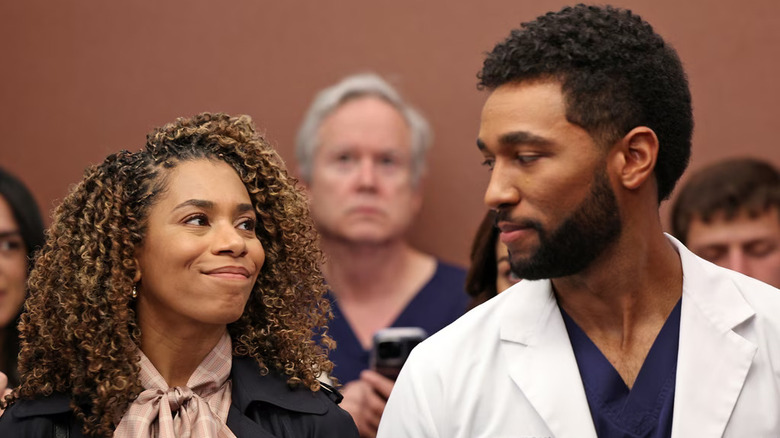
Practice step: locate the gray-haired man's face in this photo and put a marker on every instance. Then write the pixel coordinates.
(361, 184)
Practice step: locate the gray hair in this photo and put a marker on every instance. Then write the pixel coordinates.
(365, 84)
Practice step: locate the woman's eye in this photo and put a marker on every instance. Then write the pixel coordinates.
(248, 225)
(10, 245)
(489, 163)
(199, 220)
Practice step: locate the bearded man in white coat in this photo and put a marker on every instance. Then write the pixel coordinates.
(617, 329)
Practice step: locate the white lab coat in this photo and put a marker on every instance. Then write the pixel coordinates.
(507, 369)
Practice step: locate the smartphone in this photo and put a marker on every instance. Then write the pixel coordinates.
(391, 348)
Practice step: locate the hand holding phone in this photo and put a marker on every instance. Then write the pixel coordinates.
(391, 348)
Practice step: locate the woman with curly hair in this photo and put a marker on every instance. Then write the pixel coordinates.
(177, 295)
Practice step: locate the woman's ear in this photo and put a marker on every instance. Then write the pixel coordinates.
(137, 276)
(636, 156)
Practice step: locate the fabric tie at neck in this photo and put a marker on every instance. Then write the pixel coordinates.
(199, 409)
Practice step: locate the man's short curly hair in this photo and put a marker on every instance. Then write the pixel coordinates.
(79, 333)
(616, 74)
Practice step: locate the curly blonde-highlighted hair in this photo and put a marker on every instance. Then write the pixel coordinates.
(79, 333)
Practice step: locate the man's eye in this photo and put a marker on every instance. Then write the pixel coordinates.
(526, 159)
(761, 249)
(712, 254)
(489, 163)
(344, 158)
(388, 161)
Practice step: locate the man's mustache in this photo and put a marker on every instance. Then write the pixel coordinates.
(504, 216)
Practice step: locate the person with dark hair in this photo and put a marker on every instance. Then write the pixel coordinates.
(617, 329)
(489, 272)
(729, 214)
(177, 295)
(21, 234)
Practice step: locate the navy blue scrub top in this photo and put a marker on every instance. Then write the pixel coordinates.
(646, 409)
(441, 301)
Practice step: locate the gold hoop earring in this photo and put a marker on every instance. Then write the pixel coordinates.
(134, 294)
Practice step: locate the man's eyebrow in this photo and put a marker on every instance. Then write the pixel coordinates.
(517, 138)
(522, 137)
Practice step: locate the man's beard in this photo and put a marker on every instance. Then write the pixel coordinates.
(578, 241)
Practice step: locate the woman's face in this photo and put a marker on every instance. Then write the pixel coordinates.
(505, 277)
(13, 265)
(200, 257)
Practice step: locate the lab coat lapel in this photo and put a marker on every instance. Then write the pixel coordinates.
(713, 360)
(541, 361)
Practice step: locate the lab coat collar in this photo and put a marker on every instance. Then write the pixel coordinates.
(713, 360)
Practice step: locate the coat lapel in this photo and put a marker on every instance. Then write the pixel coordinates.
(250, 386)
(243, 427)
(541, 361)
(713, 360)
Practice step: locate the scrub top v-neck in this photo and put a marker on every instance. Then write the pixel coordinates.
(645, 410)
(442, 300)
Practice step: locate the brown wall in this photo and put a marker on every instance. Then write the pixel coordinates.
(81, 79)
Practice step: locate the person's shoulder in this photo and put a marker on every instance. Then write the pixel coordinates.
(34, 418)
(254, 392)
(448, 275)
(764, 298)
(717, 276)
(443, 298)
(725, 292)
(337, 421)
(251, 384)
(450, 270)
(477, 329)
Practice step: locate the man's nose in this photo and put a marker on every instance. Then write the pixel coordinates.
(500, 190)
(737, 261)
(367, 173)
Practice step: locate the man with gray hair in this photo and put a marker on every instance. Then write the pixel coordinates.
(361, 156)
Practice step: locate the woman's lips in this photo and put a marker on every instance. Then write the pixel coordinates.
(230, 272)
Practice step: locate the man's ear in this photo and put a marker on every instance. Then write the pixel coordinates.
(418, 190)
(635, 158)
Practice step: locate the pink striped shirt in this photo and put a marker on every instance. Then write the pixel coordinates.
(199, 409)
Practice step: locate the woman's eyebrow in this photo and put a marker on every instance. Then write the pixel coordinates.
(243, 208)
(195, 203)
